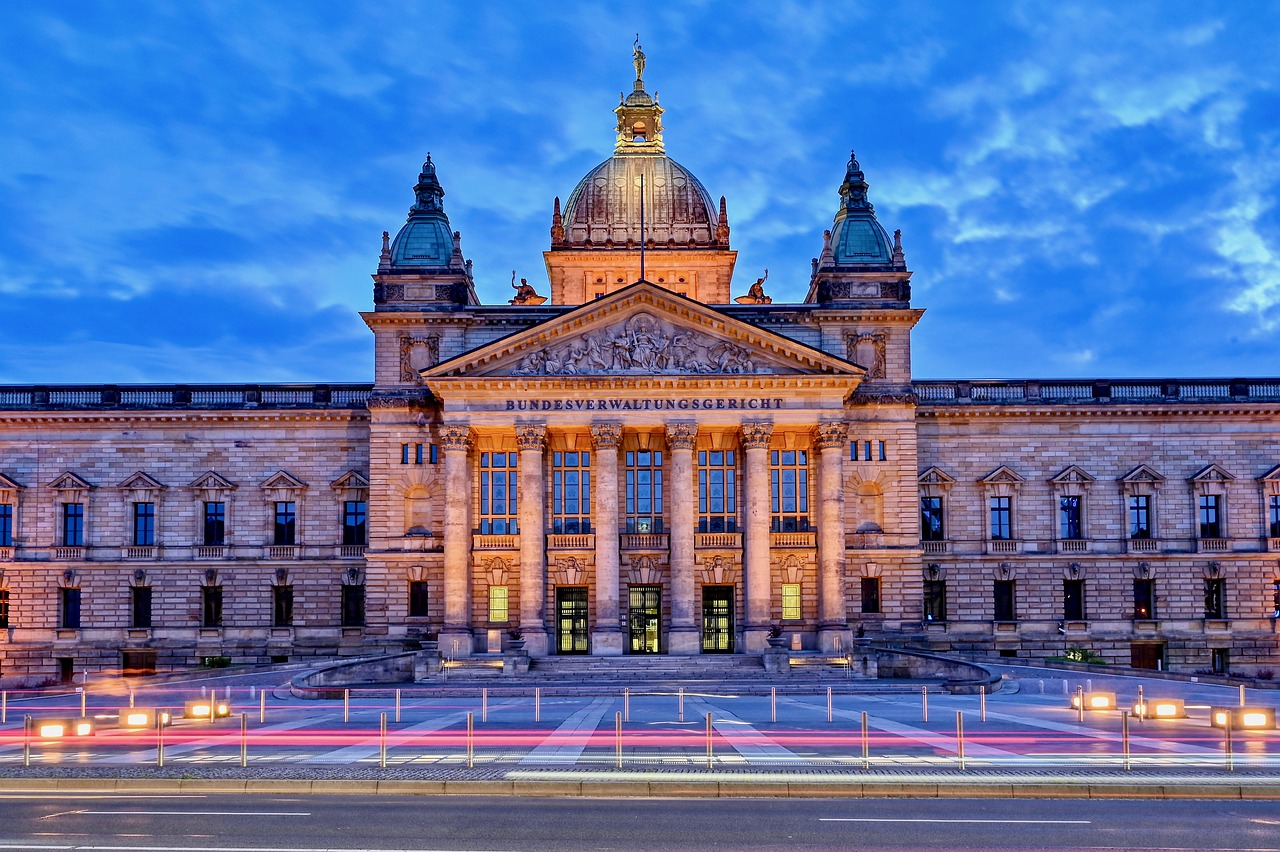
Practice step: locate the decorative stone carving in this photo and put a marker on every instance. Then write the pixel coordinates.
(405, 400)
(417, 353)
(531, 436)
(383, 293)
(571, 571)
(605, 436)
(830, 435)
(496, 571)
(525, 294)
(455, 437)
(719, 570)
(645, 571)
(869, 350)
(756, 435)
(755, 293)
(682, 436)
(642, 345)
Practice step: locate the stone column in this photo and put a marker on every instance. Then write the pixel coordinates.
(532, 438)
(607, 638)
(455, 438)
(682, 508)
(833, 625)
(755, 451)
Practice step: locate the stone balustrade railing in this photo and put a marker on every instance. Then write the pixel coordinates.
(53, 397)
(1093, 392)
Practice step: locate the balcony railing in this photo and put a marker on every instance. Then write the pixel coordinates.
(1212, 545)
(1073, 545)
(211, 551)
(935, 548)
(141, 551)
(1095, 392)
(793, 539)
(6, 554)
(45, 397)
(644, 541)
(351, 551)
(721, 541)
(282, 551)
(68, 553)
(574, 541)
(495, 542)
(1143, 545)
(1003, 545)
(1273, 544)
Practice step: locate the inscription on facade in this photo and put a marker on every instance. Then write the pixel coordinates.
(749, 404)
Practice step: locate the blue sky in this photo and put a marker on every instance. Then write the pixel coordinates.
(196, 191)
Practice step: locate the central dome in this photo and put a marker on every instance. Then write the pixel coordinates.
(604, 208)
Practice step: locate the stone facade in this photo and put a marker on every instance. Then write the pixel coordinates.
(650, 465)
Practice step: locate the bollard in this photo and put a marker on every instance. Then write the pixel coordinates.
(227, 696)
(1088, 685)
(253, 692)
(160, 738)
(1124, 736)
(4, 707)
(626, 706)
(204, 692)
(1065, 689)
(537, 704)
(262, 707)
(866, 743)
(1041, 682)
(960, 738)
(484, 704)
(709, 754)
(617, 736)
(397, 706)
(471, 747)
(828, 704)
(1242, 695)
(244, 739)
(982, 700)
(924, 704)
(213, 706)
(131, 699)
(1226, 744)
(1079, 703)
(346, 705)
(26, 740)
(382, 740)
(84, 702)
(1142, 706)
(773, 703)
(682, 704)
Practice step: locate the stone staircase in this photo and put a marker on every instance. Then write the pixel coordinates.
(648, 668)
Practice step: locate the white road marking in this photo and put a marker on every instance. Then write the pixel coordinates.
(959, 821)
(747, 741)
(559, 747)
(80, 848)
(193, 813)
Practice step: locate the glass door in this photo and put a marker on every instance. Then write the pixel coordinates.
(645, 618)
(717, 619)
(571, 620)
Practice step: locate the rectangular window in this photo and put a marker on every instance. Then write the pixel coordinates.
(1073, 600)
(1140, 516)
(433, 453)
(866, 451)
(210, 606)
(73, 525)
(70, 615)
(790, 601)
(1069, 517)
(215, 524)
(853, 450)
(884, 455)
(353, 606)
(412, 453)
(6, 525)
(498, 613)
(1275, 600)
(644, 491)
(282, 606)
(789, 490)
(1273, 517)
(1002, 592)
(144, 524)
(935, 600)
(570, 492)
(498, 504)
(717, 491)
(355, 514)
(1215, 598)
(1210, 516)
(286, 523)
(417, 454)
(1144, 598)
(870, 594)
(140, 607)
(1220, 659)
(418, 599)
(1001, 518)
(931, 519)
(4, 607)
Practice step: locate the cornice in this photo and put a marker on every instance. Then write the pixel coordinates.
(1078, 411)
(707, 384)
(26, 418)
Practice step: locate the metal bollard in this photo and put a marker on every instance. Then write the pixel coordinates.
(346, 705)
(397, 706)
(709, 753)
(1242, 695)
(228, 693)
(626, 703)
(682, 704)
(84, 701)
(537, 704)
(828, 704)
(1124, 736)
(131, 699)
(244, 739)
(924, 704)
(160, 738)
(262, 707)
(1226, 745)
(1079, 703)
(1142, 706)
(471, 748)
(866, 743)
(382, 741)
(960, 738)
(484, 704)
(26, 740)
(773, 703)
(4, 707)
(982, 701)
(617, 736)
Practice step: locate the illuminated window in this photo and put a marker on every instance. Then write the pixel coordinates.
(498, 613)
(790, 601)
(717, 491)
(789, 485)
(571, 492)
(498, 505)
(644, 491)
(1144, 598)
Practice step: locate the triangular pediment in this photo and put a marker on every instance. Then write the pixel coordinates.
(1213, 473)
(350, 479)
(643, 330)
(1002, 474)
(7, 484)
(1143, 473)
(210, 480)
(282, 479)
(1272, 475)
(1072, 475)
(935, 475)
(141, 480)
(68, 481)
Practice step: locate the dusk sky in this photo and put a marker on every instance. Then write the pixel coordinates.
(195, 192)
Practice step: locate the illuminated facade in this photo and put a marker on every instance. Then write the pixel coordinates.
(642, 463)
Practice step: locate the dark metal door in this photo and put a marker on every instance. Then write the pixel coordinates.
(645, 619)
(571, 620)
(717, 619)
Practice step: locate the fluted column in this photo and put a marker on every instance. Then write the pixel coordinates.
(682, 507)
(755, 451)
(455, 438)
(833, 625)
(532, 439)
(607, 638)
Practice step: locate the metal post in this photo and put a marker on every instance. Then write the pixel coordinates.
(228, 694)
(960, 738)
(682, 704)
(626, 703)
(484, 704)
(773, 703)
(160, 737)
(4, 707)
(617, 736)
(1242, 695)
(213, 705)
(1142, 706)
(1079, 703)
(982, 701)
(924, 704)
(709, 753)
(866, 743)
(84, 701)
(131, 699)
(828, 704)
(397, 706)
(471, 748)
(1124, 736)
(1227, 745)
(346, 705)
(26, 740)
(244, 739)
(262, 707)
(382, 740)
(537, 704)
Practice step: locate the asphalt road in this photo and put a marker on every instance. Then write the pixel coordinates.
(138, 823)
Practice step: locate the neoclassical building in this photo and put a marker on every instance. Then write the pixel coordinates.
(646, 457)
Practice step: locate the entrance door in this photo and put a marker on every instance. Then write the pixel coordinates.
(717, 619)
(645, 618)
(571, 620)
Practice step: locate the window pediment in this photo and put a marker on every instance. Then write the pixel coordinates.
(1213, 473)
(141, 481)
(69, 481)
(936, 477)
(1002, 476)
(212, 481)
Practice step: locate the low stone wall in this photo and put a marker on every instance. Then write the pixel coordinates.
(328, 681)
(959, 676)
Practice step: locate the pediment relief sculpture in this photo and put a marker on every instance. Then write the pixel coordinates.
(642, 345)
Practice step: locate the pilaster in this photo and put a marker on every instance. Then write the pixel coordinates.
(607, 637)
(833, 628)
(683, 638)
(455, 439)
(531, 438)
(755, 447)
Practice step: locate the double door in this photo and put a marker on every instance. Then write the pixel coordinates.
(717, 619)
(571, 620)
(644, 619)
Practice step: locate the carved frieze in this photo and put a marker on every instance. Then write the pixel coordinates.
(641, 345)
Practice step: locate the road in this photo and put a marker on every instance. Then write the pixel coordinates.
(137, 823)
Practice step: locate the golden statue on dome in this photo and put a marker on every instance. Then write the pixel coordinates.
(638, 58)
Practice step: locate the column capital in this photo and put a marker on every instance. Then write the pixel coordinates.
(531, 436)
(455, 436)
(606, 436)
(830, 435)
(756, 435)
(682, 436)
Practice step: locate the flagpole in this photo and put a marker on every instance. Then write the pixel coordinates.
(641, 227)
